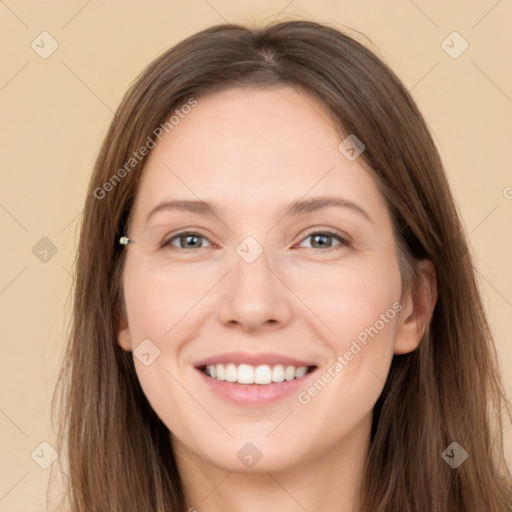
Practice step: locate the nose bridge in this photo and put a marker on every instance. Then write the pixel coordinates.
(253, 295)
(253, 279)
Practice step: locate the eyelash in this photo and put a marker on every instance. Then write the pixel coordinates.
(343, 241)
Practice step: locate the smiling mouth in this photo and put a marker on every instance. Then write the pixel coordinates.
(260, 375)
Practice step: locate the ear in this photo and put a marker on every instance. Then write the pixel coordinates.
(417, 311)
(124, 337)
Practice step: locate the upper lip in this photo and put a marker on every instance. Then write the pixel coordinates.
(253, 360)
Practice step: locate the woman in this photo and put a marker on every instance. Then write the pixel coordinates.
(320, 343)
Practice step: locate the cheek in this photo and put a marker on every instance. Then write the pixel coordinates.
(360, 306)
(159, 307)
(349, 297)
(162, 305)
(366, 311)
(158, 300)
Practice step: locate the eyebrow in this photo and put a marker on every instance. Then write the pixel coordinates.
(299, 207)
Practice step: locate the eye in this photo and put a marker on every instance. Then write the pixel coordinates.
(323, 239)
(192, 240)
(186, 237)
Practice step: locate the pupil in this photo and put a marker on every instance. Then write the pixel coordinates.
(192, 237)
(322, 244)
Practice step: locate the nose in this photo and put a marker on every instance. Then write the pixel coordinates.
(254, 296)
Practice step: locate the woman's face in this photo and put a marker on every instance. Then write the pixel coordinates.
(261, 286)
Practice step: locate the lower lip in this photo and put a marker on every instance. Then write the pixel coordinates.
(255, 394)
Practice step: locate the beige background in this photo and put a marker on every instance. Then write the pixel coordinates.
(55, 112)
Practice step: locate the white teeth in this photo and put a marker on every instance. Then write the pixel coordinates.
(278, 373)
(247, 374)
(263, 375)
(217, 372)
(231, 373)
(300, 372)
(289, 373)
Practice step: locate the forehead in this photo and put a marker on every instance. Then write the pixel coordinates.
(252, 147)
(251, 125)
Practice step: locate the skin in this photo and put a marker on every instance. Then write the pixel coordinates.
(252, 152)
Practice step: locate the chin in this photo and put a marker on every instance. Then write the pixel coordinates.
(251, 456)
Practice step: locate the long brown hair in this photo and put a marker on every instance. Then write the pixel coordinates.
(448, 390)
